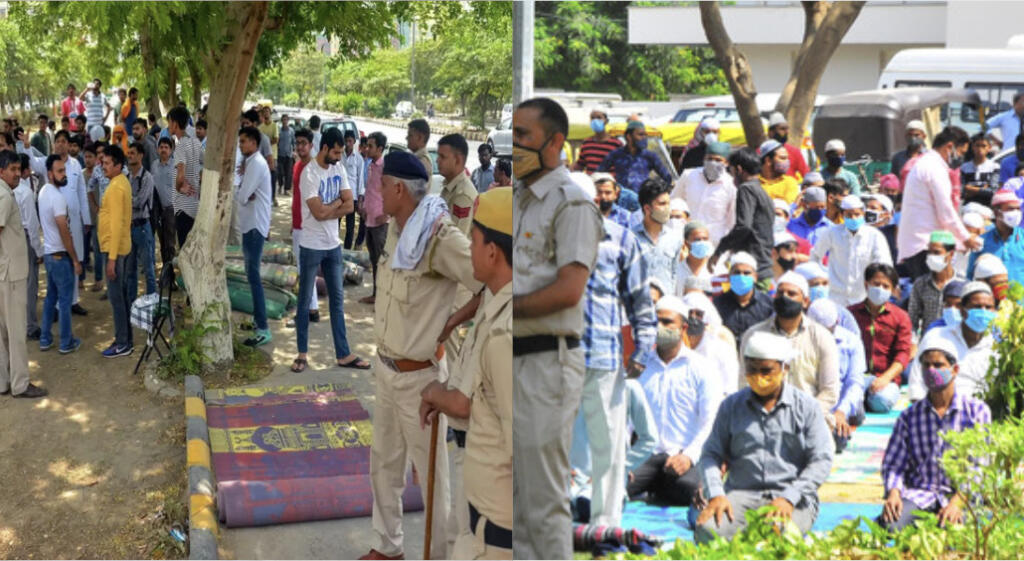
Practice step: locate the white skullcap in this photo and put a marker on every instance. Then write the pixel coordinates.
(700, 301)
(795, 279)
(988, 265)
(886, 201)
(742, 257)
(915, 125)
(974, 220)
(672, 303)
(851, 202)
(710, 123)
(781, 204)
(655, 283)
(980, 209)
(811, 270)
(973, 287)
(824, 311)
(783, 238)
(96, 133)
(768, 346)
(601, 177)
(585, 183)
(776, 118)
(938, 344)
(835, 145)
(679, 204)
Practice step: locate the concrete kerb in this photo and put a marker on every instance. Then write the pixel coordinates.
(202, 508)
(479, 136)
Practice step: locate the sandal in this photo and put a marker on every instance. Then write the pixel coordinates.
(299, 365)
(357, 363)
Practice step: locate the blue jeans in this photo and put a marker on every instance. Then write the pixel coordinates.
(117, 293)
(99, 262)
(252, 250)
(60, 289)
(143, 252)
(883, 401)
(330, 260)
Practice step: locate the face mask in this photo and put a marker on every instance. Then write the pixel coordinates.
(667, 337)
(936, 263)
(955, 160)
(661, 215)
(527, 161)
(695, 328)
(878, 295)
(597, 125)
(854, 224)
(641, 144)
(1012, 218)
(710, 137)
(951, 316)
(999, 291)
(896, 218)
(786, 308)
(914, 143)
(937, 378)
(978, 319)
(677, 223)
(782, 138)
(871, 216)
(836, 162)
(741, 284)
(780, 224)
(781, 167)
(787, 264)
(700, 249)
(713, 170)
(765, 386)
(819, 292)
(605, 206)
(814, 215)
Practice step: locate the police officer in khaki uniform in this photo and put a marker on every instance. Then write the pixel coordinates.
(557, 230)
(485, 394)
(415, 288)
(458, 190)
(416, 138)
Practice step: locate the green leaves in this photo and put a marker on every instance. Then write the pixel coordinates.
(1005, 379)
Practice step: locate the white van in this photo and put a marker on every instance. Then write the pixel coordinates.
(723, 108)
(996, 74)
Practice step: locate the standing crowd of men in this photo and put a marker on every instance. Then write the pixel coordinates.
(716, 342)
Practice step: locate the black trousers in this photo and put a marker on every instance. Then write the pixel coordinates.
(914, 266)
(183, 225)
(163, 225)
(375, 238)
(664, 484)
(284, 173)
(350, 230)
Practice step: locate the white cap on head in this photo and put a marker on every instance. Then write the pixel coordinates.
(783, 238)
(885, 200)
(988, 265)
(915, 125)
(938, 344)
(851, 202)
(835, 145)
(811, 270)
(974, 286)
(781, 205)
(795, 279)
(585, 183)
(655, 283)
(776, 118)
(742, 257)
(672, 303)
(824, 311)
(679, 204)
(979, 209)
(768, 346)
(974, 220)
(710, 123)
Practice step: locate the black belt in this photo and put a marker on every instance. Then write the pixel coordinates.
(59, 255)
(140, 222)
(493, 534)
(460, 437)
(540, 344)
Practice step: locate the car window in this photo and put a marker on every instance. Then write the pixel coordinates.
(505, 125)
(723, 114)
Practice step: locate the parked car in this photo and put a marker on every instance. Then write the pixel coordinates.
(404, 109)
(506, 111)
(500, 138)
(436, 180)
(345, 125)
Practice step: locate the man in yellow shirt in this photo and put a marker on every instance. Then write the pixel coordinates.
(115, 227)
(774, 165)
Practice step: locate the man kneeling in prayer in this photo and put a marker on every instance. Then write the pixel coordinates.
(775, 442)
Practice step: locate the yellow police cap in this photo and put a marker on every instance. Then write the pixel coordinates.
(494, 210)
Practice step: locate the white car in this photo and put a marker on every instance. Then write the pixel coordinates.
(436, 179)
(404, 109)
(506, 111)
(500, 138)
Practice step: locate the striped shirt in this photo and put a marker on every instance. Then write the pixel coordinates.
(912, 462)
(618, 280)
(189, 152)
(95, 105)
(593, 152)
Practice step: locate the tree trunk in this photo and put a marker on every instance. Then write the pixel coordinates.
(814, 12)
(737, 72)
(202, 257)
(172, 85)
(152, 88)
(197, 85)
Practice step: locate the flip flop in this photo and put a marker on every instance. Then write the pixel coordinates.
(299, 365)
(357, 363)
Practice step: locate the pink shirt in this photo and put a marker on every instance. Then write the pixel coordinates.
(927, 206)
(374, 203)
(70, 108)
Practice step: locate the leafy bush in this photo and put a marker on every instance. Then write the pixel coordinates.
(290, 99)
(378, 107)
(334, 101)
(351, 103)
(188, 353)
(1005, 393)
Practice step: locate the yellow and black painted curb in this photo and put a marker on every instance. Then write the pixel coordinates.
(202, 507)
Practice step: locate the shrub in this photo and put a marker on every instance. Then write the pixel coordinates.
(1005, 379)
(352, 102)
(290, 99)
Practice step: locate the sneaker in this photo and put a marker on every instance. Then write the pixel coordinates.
(78, 310)
(314, 316)
(45, 346)
(34, 335)
(75, 343)
(114, 351)
(260, 337)
(32, 392)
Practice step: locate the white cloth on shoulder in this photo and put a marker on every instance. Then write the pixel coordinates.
(420, 227)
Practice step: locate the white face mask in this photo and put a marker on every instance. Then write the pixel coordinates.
(677, 223)
(780, 224)
(936, 263)
(1012, 218)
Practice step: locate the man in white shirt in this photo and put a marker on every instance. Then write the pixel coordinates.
(252, 204)
(97, 110)
(25, 196)
(851, 247)
(709, 192)
(357, 181)
(60, 257)
(973, 342)
(684, 392)
(326, 197)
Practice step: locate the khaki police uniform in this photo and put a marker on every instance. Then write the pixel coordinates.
(487, 356)
(555, 225)
(411, 310)
(423, 155)
(13, 276)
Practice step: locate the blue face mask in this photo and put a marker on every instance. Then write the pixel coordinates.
(741, 284)
(854, 224)
(819, 292)
(978, 319)
(641, 143)
(814, 215)
(700, 249)
(895, 219)
(597, 125)
(951, 316)
(937, 378)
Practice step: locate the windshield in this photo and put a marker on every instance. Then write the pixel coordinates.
(723, 114)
